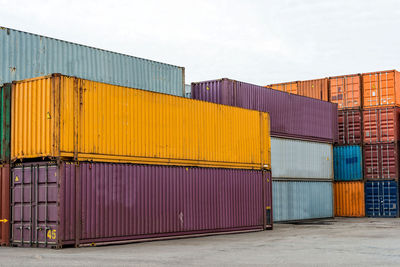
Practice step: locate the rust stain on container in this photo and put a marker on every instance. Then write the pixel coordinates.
(346, 91)
(61, 116)
(381, 88)
(5, 204)
(349, 199)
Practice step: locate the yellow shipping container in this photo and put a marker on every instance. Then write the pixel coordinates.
(67, 117)
(349, 199)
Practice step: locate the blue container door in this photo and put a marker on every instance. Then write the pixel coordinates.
(347, 163)
(381, 199)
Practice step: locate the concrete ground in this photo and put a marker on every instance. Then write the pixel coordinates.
(341, 241)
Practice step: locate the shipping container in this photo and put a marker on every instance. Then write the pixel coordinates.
(381, 125)
(5, 204)
(55, 205)
(67, 117)
(349, 199)
(301, 200)
(292, 116)
(317, 88)
(350, 127)
(25, 55)
(346, 91)
(301, 159)
(348, 163)
(381, 88)
(188, 91)
(381, 161)
(381, 199)
(289, 87)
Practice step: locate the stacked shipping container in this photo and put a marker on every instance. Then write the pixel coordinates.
(302, 129)
(97, 190)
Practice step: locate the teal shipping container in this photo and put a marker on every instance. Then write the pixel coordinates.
(25, 55)
(347, 161)
(301, 200)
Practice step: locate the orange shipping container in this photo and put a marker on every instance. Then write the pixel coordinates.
(318, 88)
(290, 87)
(60, 116)
(346, 91)
(349, 199)
(381, 88)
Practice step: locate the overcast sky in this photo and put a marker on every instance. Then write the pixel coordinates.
(255, 41)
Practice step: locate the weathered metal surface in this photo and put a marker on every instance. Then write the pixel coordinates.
(350, 127)
(302, 200)
(381, 161)
(5, 204)
(61, 116)
(348, 163)
(71, 204)
(346, 91)
(291, 115)
(381, 199)
(381, 125)
(349, 199)
(25, 55)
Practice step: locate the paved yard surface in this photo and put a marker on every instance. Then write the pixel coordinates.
(342, 241)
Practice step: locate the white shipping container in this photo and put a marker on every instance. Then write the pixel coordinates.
(299, 159)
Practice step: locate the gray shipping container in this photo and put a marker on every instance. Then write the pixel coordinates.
(25, 55)
(301, 200)
(301, 159)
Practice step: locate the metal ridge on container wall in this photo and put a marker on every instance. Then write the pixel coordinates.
(302, 200)
(301, 159)
(316, 88)
(26, 55)
(349, 199)
(61, 116)
(5, 122)
(98, 203)
(5, 204)
(348, 163)
(291, 115)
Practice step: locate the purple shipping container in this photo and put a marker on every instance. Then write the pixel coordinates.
(291, 115)
(55, 205)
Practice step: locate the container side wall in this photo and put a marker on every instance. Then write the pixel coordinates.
(317, 88)
(381, 199)
(348, 163)
(349, 199)
(302, 200)
(5, 204)
(24, 55)
(301, 159)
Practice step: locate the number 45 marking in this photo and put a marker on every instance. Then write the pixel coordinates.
(51, 234)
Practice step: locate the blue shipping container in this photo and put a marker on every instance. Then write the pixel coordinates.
(347, 162)
(381, 199)
(25, 55)
(301, 200)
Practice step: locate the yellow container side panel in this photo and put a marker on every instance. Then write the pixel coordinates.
(32, 118)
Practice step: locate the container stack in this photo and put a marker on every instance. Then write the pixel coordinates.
(346, 91)
(99, 163)
(302, 132)
(381, 142)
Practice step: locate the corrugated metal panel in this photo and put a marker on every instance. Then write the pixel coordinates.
(290, 87)
(116, 202)
(346, 91)
(381, 88)
(291, 115)
(381, 199)
(381, 125)
(5, 204)
(188, 91)
(348, 163)
(301, 200)
(25, 55)
(317, 88)
(350, 127)
(101, 122)
(301, 159)
(381, 161)
(5, 122)
(349, 199)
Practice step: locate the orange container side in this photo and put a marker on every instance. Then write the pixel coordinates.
(318, 88)
(346, 91)
(381, 88)
(349, 199)
(289, 87)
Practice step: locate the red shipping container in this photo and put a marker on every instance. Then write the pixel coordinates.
(101, 203)
(381, 161)
(381, 125)
(350, 127)
(5, 204)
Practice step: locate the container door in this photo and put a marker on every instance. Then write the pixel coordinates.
(35, 206)
(381, 199)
